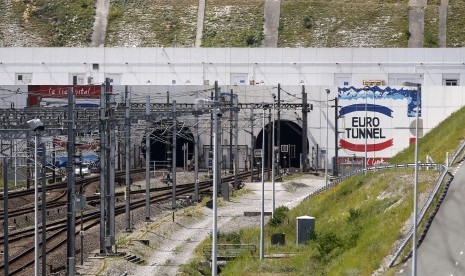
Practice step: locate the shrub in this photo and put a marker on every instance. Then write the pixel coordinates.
(354, 214)
(308, 22)
(328, 242)
(279, 216)
(230, 237)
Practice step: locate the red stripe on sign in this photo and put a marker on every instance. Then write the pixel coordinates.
(361, 147)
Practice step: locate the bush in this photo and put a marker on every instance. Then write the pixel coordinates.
(279, 216)
(308, 22)
(328, 242)
(231, 237)
(354, 214)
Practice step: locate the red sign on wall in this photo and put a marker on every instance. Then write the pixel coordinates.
(360, 160)
(37, 92)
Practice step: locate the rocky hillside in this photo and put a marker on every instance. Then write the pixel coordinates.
(227, 23)
(340, 23)
(46, 22)
(151, 23)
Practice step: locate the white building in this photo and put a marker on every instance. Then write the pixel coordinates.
(254, 73)
(232, 66)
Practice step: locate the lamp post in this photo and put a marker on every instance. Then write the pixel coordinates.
(37, 126)
(415, 189)
(216, 112)
(262, 212)
(272, 163)
(327, 137)
(366, 130)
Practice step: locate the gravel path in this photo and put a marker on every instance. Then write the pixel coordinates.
(271, 24)
(200, 21)
(171, 242)
(416, 23)
(442, 29)
(100, 23)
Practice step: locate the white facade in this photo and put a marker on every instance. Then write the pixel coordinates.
(232, 66)
(253, 74)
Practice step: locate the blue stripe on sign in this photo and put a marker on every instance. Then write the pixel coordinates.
(368, 107)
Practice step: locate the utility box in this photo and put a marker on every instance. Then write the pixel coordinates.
(80, 202)
(305, 225)
(278, 239)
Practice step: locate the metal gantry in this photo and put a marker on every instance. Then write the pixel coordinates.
(105, 119)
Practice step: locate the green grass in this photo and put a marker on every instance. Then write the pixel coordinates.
(357, 221)
(11, 184)
(446, 137)
(351, 235)
(340, 23)
(237, 23)
(151, 23)
(65, 23)
(240, 192)
(11, 176)
(431, 39)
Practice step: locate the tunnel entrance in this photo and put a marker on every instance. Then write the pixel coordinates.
(161, 140)
(291, 143)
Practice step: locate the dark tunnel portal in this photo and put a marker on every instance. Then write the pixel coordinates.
(160, 142)
(291, 135)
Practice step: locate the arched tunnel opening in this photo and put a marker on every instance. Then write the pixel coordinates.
(291, 143)
(161, 141)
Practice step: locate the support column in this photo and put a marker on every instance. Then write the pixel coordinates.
(112, 175)
(127, 155)
(269, 146)
(278, 130)
(304, 129)
(147, 160)
(71, 212)
(236, 141)
(252, 152)
(231, 114)
(5, 218)
(44, 211)
(336, 139)
(102, 153)
(173, 201)
(196, 153)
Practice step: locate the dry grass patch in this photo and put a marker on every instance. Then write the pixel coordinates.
(455, 23)
(342, 23)
(431, 38)
(56, 23)
(237, 23)
(152, 23)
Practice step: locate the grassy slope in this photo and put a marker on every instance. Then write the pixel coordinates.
(357, 222)
(150, 23)
(341, 23)
(446, 137)
(237, 23)
(65, 23)
(304, 23)
(352, 236)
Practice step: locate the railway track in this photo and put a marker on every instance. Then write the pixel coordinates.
(55, 202)
(56, 238)
(63, 184)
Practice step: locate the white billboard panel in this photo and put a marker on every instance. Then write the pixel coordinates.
(376, 120)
